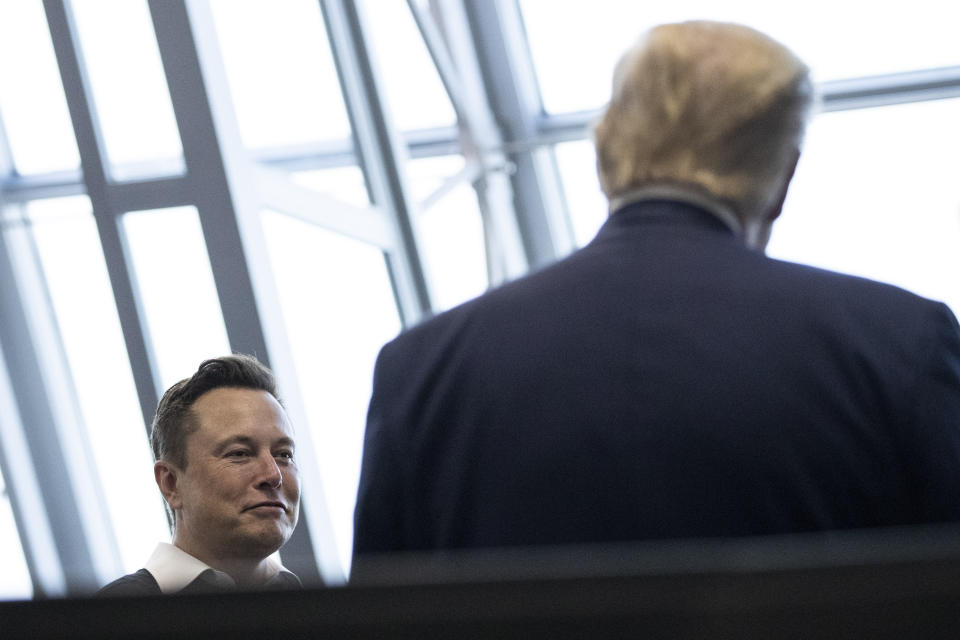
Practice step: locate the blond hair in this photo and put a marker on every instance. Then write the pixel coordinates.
(718, 107)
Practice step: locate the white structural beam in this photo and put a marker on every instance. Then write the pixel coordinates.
(380, 150)
(26, 494)
(367, 224)
(6, 155)
(86, 128)
(835, 95)
(503, 60)
(449, 40)
(875, 91)
(33, 526)
(58, 476)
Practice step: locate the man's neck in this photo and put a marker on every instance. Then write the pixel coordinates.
(246, 572)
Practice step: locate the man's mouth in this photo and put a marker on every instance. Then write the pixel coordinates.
(267, 505)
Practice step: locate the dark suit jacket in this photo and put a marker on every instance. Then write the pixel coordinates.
(142, 583)
(664, 381)
(138, 583)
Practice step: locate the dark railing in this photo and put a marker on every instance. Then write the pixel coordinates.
(880, 584)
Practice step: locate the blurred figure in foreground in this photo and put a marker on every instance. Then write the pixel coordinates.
(225, 465)
(669, 380)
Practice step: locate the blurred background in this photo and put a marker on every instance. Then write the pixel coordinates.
(301, 179)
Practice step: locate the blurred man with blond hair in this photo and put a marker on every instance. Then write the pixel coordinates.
(669, 380)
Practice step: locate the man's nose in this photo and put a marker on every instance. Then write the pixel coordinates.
(268, 472)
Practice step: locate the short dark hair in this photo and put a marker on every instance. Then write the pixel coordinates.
(175, 420)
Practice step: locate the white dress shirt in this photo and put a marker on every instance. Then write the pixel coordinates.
(173, 569)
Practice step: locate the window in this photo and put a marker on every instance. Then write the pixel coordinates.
(32, 105)
(450, 230)
(73, 267)
(343, 183)
(413, 87)
(132, 100)
(176, 286)
(586, 204)
(575, 45)
(281, 72)
(338, 308)
(15, 578)
(876, 195)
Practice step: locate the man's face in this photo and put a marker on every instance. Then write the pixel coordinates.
(239, 495)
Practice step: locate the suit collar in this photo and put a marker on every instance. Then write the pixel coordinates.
(664, 213)
(678, 193)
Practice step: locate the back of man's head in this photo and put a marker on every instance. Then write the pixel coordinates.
(716, 107)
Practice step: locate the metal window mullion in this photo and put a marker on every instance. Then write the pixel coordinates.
(44, 561)
(835, 95)
(511, 84)
(421, 143)
(223, 184)
(154, 193)
(366, 224)
(22, 331)
(442, 59)
(80, 104)
(875, 91)
(481, 140)
(380, 151)
(6, 154)
(33, 525)
(219, 198)
(19, 190)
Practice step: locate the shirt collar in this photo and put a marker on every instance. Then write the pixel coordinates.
(682, 194)
(173, 569)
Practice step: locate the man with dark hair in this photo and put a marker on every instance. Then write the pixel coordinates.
(225, 465)
(669, 380)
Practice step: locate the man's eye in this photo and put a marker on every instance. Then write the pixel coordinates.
(286, 455)
(238, 453)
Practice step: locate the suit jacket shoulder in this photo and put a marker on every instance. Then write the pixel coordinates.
(664, 381)
(139, 583)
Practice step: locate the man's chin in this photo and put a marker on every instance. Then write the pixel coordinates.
(263, 541)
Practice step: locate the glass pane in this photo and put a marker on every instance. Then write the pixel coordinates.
(32, 105)
(339, 309)
(281, 72)
(450, 232)
(837, 39)
(15, 583)
(177, 289)
(577, 163)
(411, 82)
(128, 84)
(76, 275)
(876, 194)
(343, 183)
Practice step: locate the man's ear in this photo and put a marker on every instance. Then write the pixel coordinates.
(777, 207)
(758, 232)
(167, 477)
